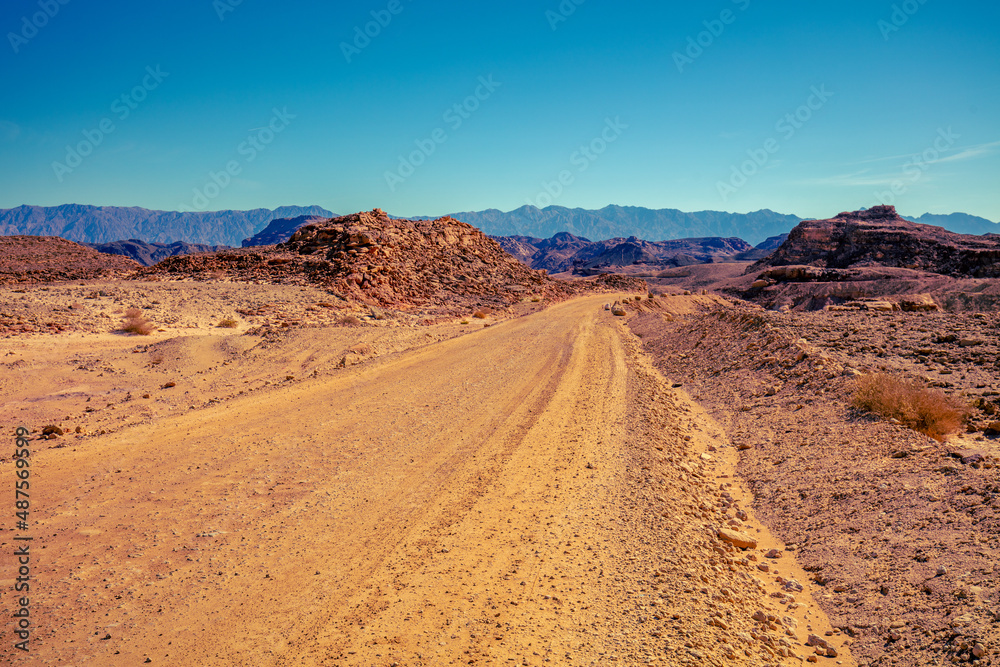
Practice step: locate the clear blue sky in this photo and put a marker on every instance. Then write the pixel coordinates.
(705, 131)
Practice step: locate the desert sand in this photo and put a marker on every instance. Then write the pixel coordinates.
(297, 491)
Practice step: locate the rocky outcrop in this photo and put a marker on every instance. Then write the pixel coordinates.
(611, 282)
(43, 259)
(879, 237)
(372, 258)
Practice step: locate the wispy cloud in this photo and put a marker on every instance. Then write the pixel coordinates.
(872, 177)
(972, 152)
(965, 154)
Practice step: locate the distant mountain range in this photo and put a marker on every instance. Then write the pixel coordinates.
(960, 223)
(280, 230)
(565, 252)
(104, 224)
(624, 221)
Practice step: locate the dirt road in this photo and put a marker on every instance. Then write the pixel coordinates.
(524, 494)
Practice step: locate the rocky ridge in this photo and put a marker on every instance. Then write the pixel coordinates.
(371, 258)
(148, 254)
(42, 259)
(879, 237)
(566, 252)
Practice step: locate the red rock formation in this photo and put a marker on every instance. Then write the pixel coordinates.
(879, 237)
(42, 259)
(371, 258)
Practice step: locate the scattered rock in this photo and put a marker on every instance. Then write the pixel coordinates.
(737, 538)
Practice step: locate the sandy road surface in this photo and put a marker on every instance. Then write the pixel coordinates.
(457, 504)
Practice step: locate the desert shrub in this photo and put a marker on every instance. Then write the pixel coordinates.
(464, 322)
(535, 300)
(479, 315)
(228, 323)
(929, 411)
(349, 320)
(135, 323)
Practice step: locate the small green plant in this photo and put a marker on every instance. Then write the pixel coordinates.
(464, 322)
(228, 323)
(929, 411)
(135, 323)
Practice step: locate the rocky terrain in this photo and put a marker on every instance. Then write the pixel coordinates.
(861, 260)
(513, 501)
(880, 237)
(901, 532)
(565, 252)
(104, 224)
(148, 254)
(416, 450)
(440, 265)
(40, 259)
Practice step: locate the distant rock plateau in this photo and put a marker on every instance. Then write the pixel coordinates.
(879, 237)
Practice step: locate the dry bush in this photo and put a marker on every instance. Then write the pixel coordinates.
(228, 323)
(135, 323)
(349, 320)
(929, 411)
(479, 315)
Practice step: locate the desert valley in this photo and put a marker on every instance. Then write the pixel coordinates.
(366, 440)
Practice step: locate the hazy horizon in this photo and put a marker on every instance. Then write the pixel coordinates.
(907, 214)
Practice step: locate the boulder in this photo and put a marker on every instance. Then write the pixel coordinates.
(737, 538)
